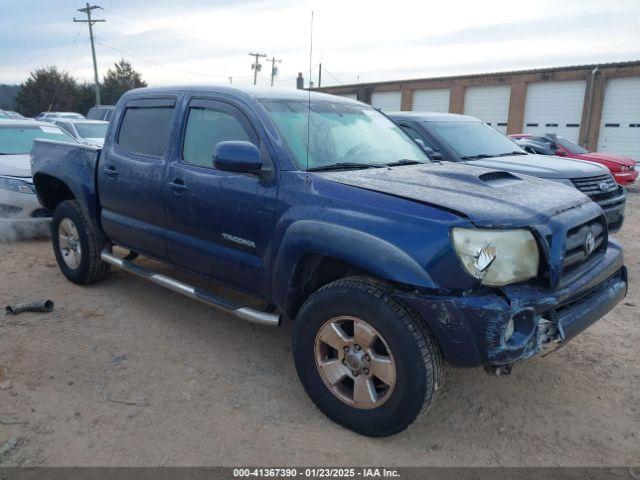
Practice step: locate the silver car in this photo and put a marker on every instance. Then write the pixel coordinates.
(53, 116)
(20, 211)
(87, 132)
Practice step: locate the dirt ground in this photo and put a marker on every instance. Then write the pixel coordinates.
(127, 373)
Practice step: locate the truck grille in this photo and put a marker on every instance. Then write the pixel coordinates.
(585, 244)
(602, 187)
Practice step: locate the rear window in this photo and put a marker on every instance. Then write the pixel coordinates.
(145, 130)
(92, 130)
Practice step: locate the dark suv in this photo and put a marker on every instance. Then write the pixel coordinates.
(461, 138)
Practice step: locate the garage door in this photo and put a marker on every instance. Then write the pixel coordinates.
(489, 104)
(387, 101)
(620, 126)
(436, 100)
(554, 107)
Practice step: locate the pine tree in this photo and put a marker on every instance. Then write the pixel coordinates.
(118, 80)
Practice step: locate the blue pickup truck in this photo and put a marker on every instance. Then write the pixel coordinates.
(388, 264)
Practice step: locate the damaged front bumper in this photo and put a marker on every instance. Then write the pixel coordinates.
(471, 327)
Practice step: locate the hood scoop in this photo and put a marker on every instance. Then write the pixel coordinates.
(499, 179)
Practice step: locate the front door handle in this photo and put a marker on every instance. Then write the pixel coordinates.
(178, 186)
(111, 171)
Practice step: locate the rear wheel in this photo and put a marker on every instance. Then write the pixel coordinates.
(76, 246)
(366, 361)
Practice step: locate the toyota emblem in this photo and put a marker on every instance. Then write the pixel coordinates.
(605, 186)
(589, 244)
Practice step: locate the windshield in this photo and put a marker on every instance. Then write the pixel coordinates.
(571, 147)
(3, 115)
(92, 130)
(19, 140)
(473, 139)
(340, 133)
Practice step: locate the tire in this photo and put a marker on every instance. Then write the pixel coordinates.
(402, 341)
(71, 229)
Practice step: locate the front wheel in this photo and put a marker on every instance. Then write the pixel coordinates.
(76, 245)
(366, 361)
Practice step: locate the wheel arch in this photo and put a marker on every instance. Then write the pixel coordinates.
(312, 254)
(51, 191)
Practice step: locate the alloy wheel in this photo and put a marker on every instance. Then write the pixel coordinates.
(355, 362)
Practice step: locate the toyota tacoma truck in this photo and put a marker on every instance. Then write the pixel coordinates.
(388, 264)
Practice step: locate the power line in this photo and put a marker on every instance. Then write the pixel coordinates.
(153, 62)
(308, 72)
(165, 31)
(324, 69)
(66, 65)
(89, 21)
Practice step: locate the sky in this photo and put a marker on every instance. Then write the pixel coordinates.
(208, 41)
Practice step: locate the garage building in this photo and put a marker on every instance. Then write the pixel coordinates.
(596, 105)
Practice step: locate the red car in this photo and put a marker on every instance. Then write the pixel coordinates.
(623, 169)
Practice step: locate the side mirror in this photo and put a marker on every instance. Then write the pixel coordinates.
(560, 152)
(236, 156)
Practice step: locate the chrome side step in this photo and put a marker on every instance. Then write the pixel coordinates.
(245, 313)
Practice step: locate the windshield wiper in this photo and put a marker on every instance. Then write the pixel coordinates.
(480, 155)
(506, 154)
(344, 165)
(403, 161)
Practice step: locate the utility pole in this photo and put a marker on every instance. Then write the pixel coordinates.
(274, 69)
(319, 74)
(90, 21)
(256, 67)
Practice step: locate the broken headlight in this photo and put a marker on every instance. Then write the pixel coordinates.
(497, 257)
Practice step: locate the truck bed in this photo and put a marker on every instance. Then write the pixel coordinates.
(66, 168)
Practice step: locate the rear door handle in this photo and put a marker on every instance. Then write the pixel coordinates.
(111, 171)
(178, 186)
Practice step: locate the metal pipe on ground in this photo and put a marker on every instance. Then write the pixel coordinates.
(39, 306)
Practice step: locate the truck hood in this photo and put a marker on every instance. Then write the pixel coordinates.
(542, 166)
(604, 157)
(486, 197)
(15, 165)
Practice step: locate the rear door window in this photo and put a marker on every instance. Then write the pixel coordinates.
(145, 129)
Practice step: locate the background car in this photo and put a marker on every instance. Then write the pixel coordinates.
(101, 112)
(53, 116)
(462, 138)
(3, 115)
(623, 169)
(20, 211)
(14, 115)
(88, 132)
(531, 146)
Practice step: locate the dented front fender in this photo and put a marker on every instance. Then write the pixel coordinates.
(470, 327)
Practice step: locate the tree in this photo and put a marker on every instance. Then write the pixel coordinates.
(8, 94)
(85, 97)
(46, 89)
(118, 80)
